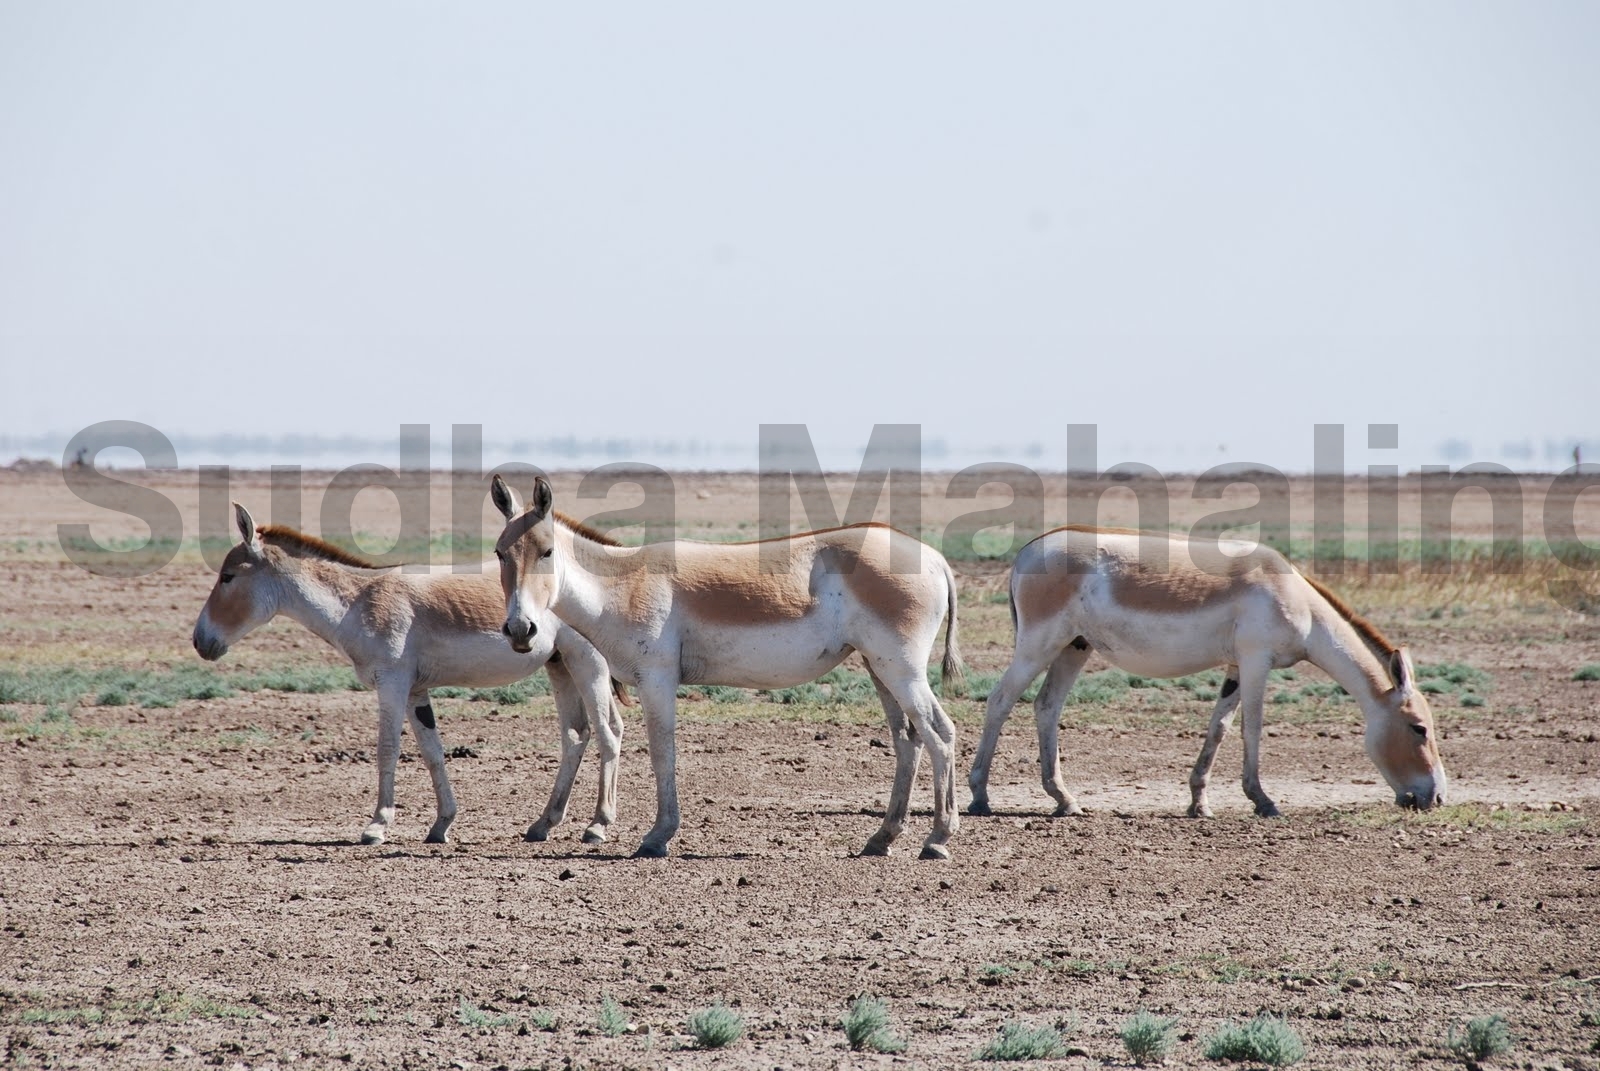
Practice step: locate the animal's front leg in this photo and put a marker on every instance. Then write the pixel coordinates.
(659, 696)
(426, 728)
(574, 727)
(391, 721)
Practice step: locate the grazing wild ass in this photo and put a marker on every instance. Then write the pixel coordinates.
(406, 633)
(1080, 589)
(755, 615)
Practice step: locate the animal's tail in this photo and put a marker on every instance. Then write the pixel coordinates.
(955, 674)
(620, 691)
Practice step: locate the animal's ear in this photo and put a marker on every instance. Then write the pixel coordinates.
(543, 498)
(1403, 672)
(247, 526)
(505, 497)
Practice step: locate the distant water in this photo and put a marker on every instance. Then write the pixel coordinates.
(690, 455)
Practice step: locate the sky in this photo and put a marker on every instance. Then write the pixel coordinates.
(1204, 228)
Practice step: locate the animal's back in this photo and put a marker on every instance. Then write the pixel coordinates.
(1151, 603)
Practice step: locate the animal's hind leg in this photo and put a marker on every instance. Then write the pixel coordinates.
(426, 728)
(1047, 716)
(907, 757)
(608, 731)
(1221, 718)
(574, 728)
(1028, 662)
(937, 733)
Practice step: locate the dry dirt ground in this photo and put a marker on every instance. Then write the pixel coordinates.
(181, 886)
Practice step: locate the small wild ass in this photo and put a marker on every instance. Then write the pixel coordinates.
(406, 633)
(1080, 589)
(751, 615)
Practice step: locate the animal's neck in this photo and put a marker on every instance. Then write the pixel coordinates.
(1339, 650)
(318, 595)
(584, 589)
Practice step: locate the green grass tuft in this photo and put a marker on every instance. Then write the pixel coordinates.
(611, 1020)
(1266, 1039)
(1484, 1038)
(1019, 1041)
(866, 1025)
(1148, 1038)
(1590, 672)
(716, 1027)
(810, 692)
(469, 1014)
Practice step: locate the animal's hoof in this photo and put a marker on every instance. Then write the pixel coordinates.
(372, 836)
(651, 851)
(536, 833)
(875, 848)
(1199, 811)
(435, 838)
(594, 836)
(934, 851)
(980, 808)
(1068, 810)
(1268, 810)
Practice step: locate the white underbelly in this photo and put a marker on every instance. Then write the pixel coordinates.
(1160, 645)
(481, 660)
(761, 656)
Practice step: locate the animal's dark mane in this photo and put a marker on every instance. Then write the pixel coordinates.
(594, 535)
(1377, 641)
(301, 545)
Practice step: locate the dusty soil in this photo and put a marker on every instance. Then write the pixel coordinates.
(182, 885)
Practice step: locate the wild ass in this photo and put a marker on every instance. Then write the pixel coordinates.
(1145, 602)
(755, 615)
(406, 633)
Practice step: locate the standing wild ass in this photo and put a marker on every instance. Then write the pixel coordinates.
(406, 633)
(753, 615)
(1149, 607)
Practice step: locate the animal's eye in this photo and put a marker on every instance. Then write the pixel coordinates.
(227, 578)
(1420, 730)
(498, 553)
(547, 553)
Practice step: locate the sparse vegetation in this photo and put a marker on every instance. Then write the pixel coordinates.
(1020, 1041)
(716, 1027)
(1590, 672)
(611, 1020)
(469, 1014)
(62, 688)
(866, 1025)
(1266, 1039)
(1147, 1037)
(1483, 1039)
(1469, 816)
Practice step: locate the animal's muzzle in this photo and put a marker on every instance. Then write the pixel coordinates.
(1423, 801)
(210, 650)
(520, 637)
